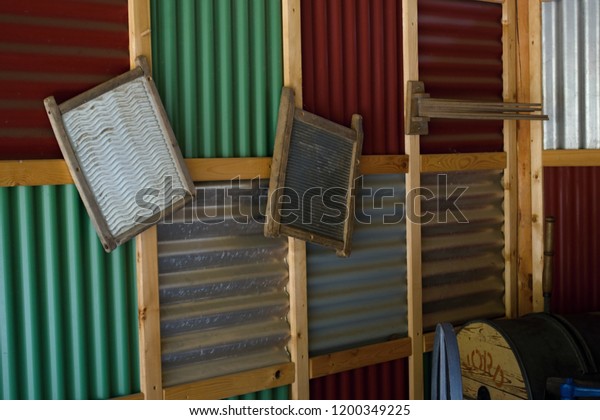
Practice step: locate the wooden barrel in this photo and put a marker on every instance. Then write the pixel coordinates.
(512, 358)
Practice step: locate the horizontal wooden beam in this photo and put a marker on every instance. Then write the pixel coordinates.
(571, 157)
(15, 173)
(463, 162)
(233, 385)
(360, 357)
(428, 340)
(132, 397)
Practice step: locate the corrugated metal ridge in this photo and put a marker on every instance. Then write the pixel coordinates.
(59, 48)
(218, 67)
(352, 64)
(222, 287)
(463, 263)
(460, 57)
(361, 299)
(570, 39)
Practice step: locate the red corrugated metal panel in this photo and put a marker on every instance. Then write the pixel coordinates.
(460, 56)
(352, 63)
(571, 196)
(386, 381)
(59, 48)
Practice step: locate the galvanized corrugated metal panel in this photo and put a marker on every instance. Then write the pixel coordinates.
(463, 246)
(352, 64)
(362, 299)
(59, 48)
(218, 68)
(571, 196)
(68, 310)
(460, 57)
(571, 56)
(386, 381)
(222, 286)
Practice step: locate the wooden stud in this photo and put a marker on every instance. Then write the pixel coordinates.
(510, 148)
(292, 77)
(413, 229)
(537, 144)
(570, 157)
(374, 354)
(232, 385)
(146, 242)
(463, 162)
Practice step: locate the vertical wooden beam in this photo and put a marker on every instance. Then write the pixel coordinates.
(509, 43)
(524, 164)
(413, 227)
(298, 347)
(537, 169)
(146, 242)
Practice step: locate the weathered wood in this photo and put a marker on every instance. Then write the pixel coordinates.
(225, 169)
(511, 195)
(487, 358)
(463, 162)
(410, 49)
(232, 385)
(342, 361)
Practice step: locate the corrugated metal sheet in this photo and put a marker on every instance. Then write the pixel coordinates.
(68, 310)
(463, 246)
(362, 299)
(387, 381)
(352, 64)
(571, 56)
(218, 68)
(571, 196)
(222, 286)
(281, 393)
(59, 48)
(460, 57)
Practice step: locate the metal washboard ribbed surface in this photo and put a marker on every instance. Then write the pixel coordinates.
(68, 310)
(463, 263)
(222, 286)
(571, 56)
(362, 299)
(218, 67)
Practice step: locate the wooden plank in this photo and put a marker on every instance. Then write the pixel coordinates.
(428, 340)
(132, 397)
(383, 164)
(292, 77)
(413, 228)
(232, 385)
(225, 169)
(146, 242)
(149, 314)
(511, 195)
(342, 361)
(537, 145)
(463, 162)
(15, 173)
(558, 158)
(524, 246)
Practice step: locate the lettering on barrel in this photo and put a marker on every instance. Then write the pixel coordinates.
(482, 363)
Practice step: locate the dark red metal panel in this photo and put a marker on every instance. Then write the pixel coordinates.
(352, 63)
(460, 57)
(58, 48)
(386, 381)
(571, 196)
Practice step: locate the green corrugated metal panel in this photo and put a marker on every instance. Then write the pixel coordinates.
(218, 68)
(281, 393)
(68, 310)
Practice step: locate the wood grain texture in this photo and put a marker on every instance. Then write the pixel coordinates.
(342, 361)
(16, 173)
(463, 162)
(139, 31)
(558, 158)
(410, 51)
(232, 385)
(225, 169)
(383, 164)
(487, 358)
